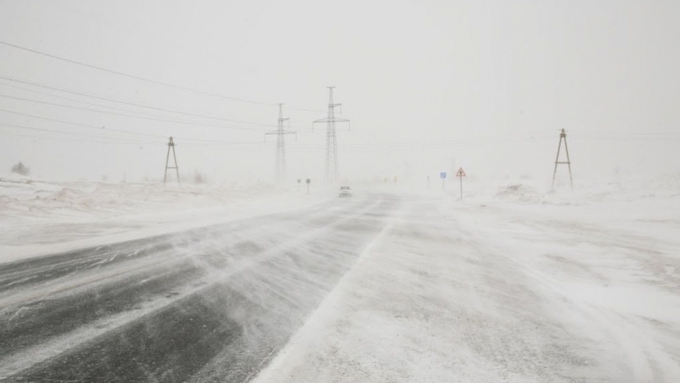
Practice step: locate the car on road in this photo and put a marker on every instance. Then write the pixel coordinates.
(345, 191)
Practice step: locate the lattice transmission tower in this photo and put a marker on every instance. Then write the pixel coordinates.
(280, 132)
(332, 170)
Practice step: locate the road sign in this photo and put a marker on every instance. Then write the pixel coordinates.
(461, 174)
(308, 182)
(442, 175)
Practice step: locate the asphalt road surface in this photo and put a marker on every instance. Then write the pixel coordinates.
(213, 304)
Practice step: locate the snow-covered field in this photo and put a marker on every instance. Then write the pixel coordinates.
(42, 216)
(510, 285)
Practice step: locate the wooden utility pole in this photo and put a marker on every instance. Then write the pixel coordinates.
(563, 136)
(171, 146)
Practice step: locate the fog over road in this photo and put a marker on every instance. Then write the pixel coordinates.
(209, 304)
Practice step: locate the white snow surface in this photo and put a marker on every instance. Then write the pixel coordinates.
(514, 283)
(511, 284)
(43, 216)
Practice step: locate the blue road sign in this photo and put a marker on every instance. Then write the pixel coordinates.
(442, 175)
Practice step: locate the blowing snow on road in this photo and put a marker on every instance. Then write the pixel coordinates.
(383, 286)
(356, 191)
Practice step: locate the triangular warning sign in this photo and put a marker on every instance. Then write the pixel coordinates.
(461, 173)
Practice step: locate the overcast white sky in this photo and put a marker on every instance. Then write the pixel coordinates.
(428, 85)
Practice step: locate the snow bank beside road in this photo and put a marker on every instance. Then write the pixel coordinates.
(25, 198)
(585, 191)
(43, 216)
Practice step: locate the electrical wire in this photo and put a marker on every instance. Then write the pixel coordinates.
(81, 125)
(127, 103)
(175, 121)
(146, 79)
(153, 117)
(114, 108)
(103, 128)
(65, 133)
(78, 139)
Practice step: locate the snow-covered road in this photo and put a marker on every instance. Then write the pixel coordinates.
(502, 292)
(384, 286)
(209, 304)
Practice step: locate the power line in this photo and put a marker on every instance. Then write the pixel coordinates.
(423, 145)
(75, 139)
(221, 143)
(104, 106)
(80, 125)
(127, 103)
(190, 142)
(66, 133)
(145, 79)
(118, 140)
(195, 140)
(631, 136)
(128, 115)
(132, 76)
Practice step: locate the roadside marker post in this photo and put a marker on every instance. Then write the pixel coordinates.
(461, 174)
(442, 175)
(308, 182)
(299, 181)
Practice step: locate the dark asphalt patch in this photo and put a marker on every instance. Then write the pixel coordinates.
(169, 346)
(41, 320)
